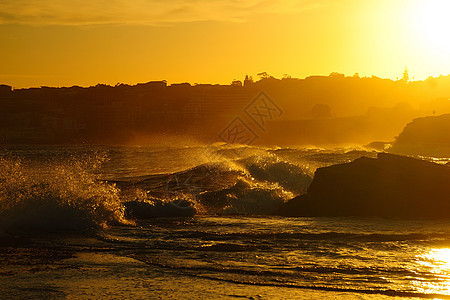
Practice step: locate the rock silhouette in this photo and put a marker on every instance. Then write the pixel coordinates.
(425, 136)
(389, 186)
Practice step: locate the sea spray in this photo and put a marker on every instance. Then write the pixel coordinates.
(247, 196)
(258, 182)
(272, 169)
(56, 195)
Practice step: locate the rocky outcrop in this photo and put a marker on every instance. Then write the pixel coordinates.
(389, 186)
(425, 136)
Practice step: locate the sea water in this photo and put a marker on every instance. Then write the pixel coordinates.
(64, 232)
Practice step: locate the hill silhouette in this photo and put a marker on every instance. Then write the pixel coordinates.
(317, 110)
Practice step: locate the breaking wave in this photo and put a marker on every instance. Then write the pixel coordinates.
(56, 195)
(252, 185)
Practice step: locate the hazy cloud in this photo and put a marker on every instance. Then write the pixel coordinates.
(150, 12)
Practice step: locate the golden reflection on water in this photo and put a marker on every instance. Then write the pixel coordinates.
(435, 262)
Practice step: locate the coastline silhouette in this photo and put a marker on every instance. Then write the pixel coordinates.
(317, 110)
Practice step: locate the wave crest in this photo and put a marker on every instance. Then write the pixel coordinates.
(56, 195)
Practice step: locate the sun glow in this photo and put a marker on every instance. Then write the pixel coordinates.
(432, 24)
(436, 261)
(439, 258)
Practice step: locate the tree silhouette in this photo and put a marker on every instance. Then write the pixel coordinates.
(405, 76)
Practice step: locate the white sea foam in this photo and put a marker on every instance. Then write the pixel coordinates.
(56, 195)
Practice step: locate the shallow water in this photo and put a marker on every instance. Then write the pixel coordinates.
(226, 251)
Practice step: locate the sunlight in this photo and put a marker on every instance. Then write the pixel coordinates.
(436, 261)
(432, 24)
(439, 259)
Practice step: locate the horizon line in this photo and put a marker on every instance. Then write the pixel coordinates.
(193, 84)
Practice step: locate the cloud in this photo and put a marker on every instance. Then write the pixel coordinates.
(148, 12)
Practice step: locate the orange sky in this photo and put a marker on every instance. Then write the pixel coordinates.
(64, 43)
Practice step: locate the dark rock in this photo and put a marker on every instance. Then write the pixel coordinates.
(7, 240)
(296, 207)
(389, 186)
(425, 136)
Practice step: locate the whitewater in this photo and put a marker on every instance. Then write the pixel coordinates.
(64, 231)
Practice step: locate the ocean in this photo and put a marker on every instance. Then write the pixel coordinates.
(64, 232)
